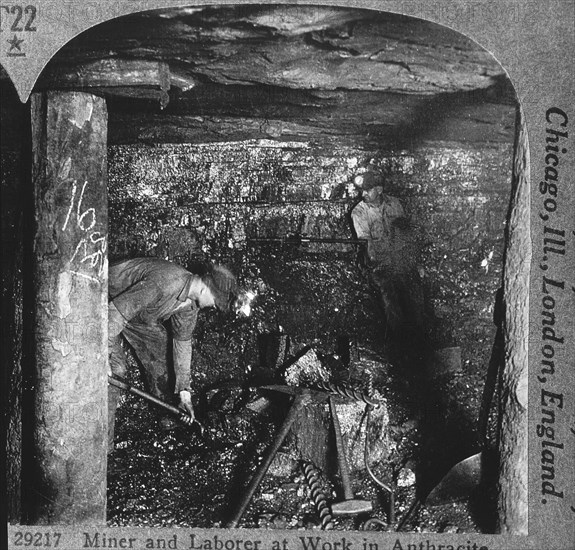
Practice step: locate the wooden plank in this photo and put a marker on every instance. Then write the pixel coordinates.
(132, 78)
(181, 80)
(134, 92)
(105, 73)
(69, 171)
(513, 509)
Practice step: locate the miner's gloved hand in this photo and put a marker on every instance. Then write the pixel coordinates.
(186, 403)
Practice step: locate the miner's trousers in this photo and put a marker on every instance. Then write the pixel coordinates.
(149, 341)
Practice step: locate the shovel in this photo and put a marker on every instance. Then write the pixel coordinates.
(458, 483)
(466, 476)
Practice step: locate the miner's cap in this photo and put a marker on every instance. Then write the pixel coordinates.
(369, 180)
(223, 285)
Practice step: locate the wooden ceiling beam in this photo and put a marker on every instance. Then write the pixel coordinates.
(135, 78)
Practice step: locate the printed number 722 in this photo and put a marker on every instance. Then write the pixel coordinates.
(22, 18)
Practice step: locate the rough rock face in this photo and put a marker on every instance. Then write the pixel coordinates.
(184, 201)
(288, 73)
(177, 201)
(306, 371)
(357, 434)
(299, 47)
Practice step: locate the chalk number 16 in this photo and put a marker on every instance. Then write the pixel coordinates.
(22, 18)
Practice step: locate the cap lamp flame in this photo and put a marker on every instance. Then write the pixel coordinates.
(243, 303)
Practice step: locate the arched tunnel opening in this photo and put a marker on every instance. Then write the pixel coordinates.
(257, 148)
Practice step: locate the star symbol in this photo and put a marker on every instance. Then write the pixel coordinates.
(15, 43)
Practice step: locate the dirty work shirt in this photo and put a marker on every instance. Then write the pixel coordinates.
(374, 223)
(147, 292)
(393, 256)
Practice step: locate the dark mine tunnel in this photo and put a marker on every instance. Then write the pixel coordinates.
(236, 135)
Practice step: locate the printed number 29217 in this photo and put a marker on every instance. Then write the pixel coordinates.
(39, 540)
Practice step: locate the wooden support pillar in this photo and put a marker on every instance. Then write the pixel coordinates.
(69, 173)
(513, 448)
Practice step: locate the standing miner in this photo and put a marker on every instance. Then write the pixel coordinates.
(390, 258)
(153, 302)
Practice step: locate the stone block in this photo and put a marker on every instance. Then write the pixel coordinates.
(306, 370)
(354, 432)
(284, 464)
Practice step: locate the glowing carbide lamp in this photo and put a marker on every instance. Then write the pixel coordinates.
(243, 303)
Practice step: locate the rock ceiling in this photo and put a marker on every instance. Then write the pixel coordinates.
(294, 72)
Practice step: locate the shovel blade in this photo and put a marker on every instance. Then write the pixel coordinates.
(458, 483)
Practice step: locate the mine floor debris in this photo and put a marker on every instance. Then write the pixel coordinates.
(183, 478)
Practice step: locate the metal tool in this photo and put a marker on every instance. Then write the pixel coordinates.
(388, 488)
(348, 391)
(182, 415)
(467, 475)
(350, 505)
(318, 497)
(371, 403)
(374, 524)
(458, 483)
(302, 239)
(302, 398)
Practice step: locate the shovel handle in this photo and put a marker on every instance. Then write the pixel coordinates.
(123, 385)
